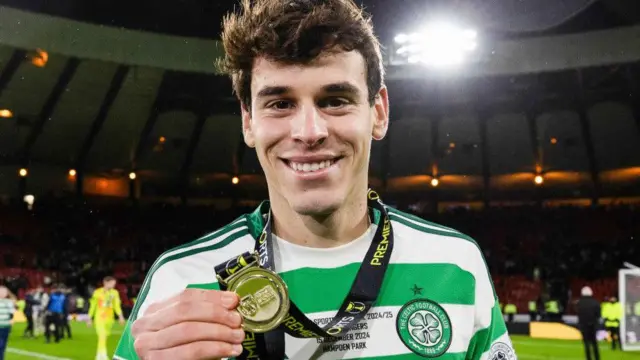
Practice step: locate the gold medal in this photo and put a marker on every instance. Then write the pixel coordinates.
(264, 298)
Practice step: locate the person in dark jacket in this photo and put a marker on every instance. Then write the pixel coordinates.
(55, 312)
(588, 319)
(64, 321)
(29, 302)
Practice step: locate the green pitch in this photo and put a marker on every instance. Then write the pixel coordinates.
(83, 345)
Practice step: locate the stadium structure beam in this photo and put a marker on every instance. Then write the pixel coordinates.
(48, 108)
(149, 124)
(188, 159)
(483, 119)
(114, 88)
(581, 108)
(634, 88)
(10, 69)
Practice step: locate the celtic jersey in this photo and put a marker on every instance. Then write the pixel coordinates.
(437, 299)
(7, 309)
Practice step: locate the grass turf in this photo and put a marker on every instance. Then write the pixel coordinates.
(83, 347)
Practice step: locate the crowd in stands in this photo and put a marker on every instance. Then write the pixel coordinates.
(78, 243)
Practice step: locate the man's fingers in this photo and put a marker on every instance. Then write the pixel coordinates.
(201, 350)
(227, 299)
(188, 332)
(188, 311)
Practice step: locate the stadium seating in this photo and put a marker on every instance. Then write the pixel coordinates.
(530, 251)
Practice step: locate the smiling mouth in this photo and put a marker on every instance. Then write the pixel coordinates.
(310, 167)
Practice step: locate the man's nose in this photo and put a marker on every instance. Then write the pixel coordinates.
(309, 126)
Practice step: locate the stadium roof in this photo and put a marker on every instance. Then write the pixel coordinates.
(105, 88)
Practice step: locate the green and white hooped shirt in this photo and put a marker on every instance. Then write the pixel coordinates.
(437, 299)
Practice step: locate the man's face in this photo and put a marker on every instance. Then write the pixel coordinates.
(110, 284)
(312, 128)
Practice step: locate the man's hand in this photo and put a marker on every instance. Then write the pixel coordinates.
(89, 323)
(193, 325)
(121, 319)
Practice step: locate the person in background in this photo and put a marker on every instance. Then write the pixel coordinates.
(103, 304)
(612, 316)
(55, 312)
(7, 309)
(30, 303)
(510, 309)
(588, 320)
(64, 321)
(41, 299)
(533, 310)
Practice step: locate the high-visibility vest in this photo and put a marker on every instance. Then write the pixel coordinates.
(510, 309)
(21, 304)
(604, 309)
(551, 307)
(533, 306)
(80, 302)
(613, 315)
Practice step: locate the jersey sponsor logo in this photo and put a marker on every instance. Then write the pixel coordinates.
(424, 328)
(501, 351)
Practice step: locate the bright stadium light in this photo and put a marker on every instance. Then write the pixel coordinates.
(539, 179)
(440, 44)
(29, 200)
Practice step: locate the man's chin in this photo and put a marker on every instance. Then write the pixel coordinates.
(314, 206)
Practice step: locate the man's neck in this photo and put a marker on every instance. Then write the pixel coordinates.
(340, 227)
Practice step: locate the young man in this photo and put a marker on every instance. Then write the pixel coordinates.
(309, 78)
(103, 304)
(7, 309)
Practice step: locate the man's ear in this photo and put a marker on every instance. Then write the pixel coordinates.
(247, 133)
(381, 114)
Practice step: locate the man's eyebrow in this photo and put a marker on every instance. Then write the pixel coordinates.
(342, 87)
(273, 91)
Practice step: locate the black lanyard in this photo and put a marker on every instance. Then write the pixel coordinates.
(361, 298)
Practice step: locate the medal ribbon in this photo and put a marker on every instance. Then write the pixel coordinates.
(361, 298)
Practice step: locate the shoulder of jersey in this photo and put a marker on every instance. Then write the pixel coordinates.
(426, 227)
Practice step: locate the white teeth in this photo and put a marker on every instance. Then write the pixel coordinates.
(309, 167)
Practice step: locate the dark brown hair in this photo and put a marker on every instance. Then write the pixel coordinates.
(108, 278)
(296, 32)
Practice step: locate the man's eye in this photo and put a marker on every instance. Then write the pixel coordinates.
(333, 102)
(281, 105)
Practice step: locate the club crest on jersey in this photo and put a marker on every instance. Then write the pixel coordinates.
(501, 351)
(424, 327)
